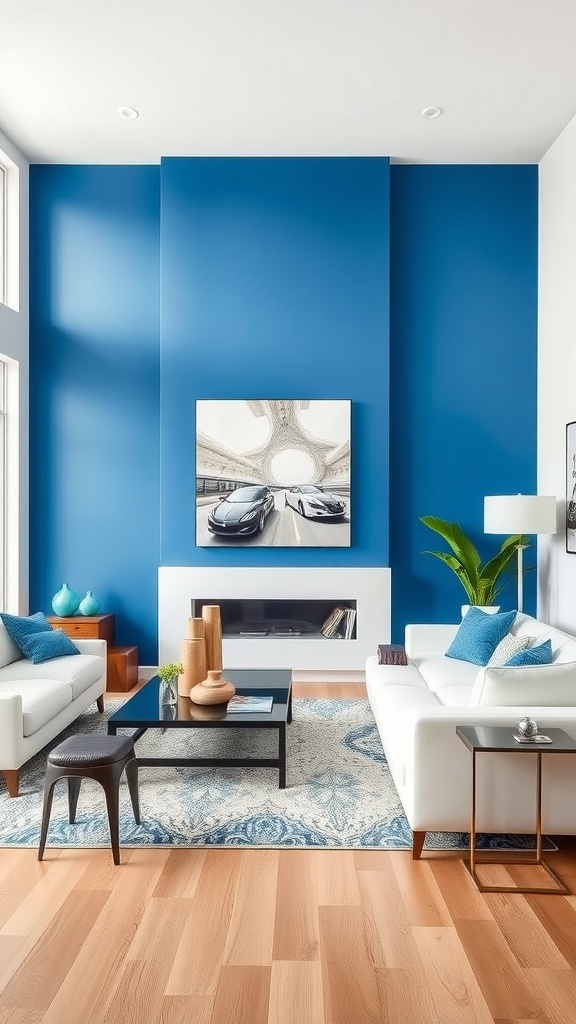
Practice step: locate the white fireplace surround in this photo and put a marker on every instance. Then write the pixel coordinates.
(368, 587)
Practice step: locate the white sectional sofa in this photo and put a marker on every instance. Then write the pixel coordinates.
(418, 706)
(38, 701)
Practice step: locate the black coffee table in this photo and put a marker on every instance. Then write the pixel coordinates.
(143, 711)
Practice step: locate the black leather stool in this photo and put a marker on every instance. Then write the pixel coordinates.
(102, 758)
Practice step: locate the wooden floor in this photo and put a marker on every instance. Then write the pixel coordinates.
(279, 937)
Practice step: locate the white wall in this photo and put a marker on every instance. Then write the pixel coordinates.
(14, 343)
(557, 367)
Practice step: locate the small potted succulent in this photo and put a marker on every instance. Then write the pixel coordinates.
(169, 682)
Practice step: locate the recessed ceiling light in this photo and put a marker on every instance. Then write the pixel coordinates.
(129, 112)
(431, 112)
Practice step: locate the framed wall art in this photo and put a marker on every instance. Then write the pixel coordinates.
(273, 473)
(571, 488)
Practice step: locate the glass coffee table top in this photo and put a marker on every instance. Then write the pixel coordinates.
(143, 708)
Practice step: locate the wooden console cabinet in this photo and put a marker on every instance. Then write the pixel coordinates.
(122, 662)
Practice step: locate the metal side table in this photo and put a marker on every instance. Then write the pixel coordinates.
(500, 740)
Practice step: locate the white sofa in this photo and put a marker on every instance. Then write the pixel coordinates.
(38, 701)
(418, 706)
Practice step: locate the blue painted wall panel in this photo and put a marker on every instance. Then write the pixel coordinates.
(94, 391)
(274, 283)
(463, 367)
(275, 279)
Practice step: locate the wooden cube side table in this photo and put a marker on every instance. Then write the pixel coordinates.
(85, 627)
(122, 672)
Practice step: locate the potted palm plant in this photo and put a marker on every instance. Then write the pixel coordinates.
(482, 583)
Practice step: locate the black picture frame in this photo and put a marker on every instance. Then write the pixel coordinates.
(571, 488)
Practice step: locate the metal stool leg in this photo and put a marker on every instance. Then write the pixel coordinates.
(132, 780)
(49, 783)
(74, 782)
(110, 782)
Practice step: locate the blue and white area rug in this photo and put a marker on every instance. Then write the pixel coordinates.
(339, 791)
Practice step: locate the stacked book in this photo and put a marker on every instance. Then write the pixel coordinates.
(348, 623)
(340, 623)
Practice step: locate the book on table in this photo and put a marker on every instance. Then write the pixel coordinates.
(239, 704)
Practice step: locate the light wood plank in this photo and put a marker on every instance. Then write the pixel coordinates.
(349, 982)
(459, 891)
(389, 935)
(557, 991)
(90, 985)
(337, 878)
(199, 956)
(453, 987)
(181, 873)
(503, 982)
(525, 935)
(297, 929)
(406, 997)
(187, 1009)
(242, 995)
(296, 993)
(37, 981)
(139, 996)
(422, 897)
(251, 932)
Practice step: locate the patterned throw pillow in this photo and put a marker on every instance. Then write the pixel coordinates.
(478, 635)
(508, 647)
(42, 646)
(19, 626)
(540, 655)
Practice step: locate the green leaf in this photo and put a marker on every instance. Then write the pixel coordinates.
(481, 583)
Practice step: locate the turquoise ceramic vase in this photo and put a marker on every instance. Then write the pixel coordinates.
(65, 602)
(89, 605)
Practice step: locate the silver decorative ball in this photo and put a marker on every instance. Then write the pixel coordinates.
(527, 727)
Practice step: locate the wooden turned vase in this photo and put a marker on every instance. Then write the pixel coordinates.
(193, 658)
(213, 635)
(196, 629)
(213, 689)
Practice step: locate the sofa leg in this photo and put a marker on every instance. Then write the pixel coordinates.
(12, 780)
(100, 703)
(417, 844)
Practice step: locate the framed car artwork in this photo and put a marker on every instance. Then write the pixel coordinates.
(273, 473)
(571, 488)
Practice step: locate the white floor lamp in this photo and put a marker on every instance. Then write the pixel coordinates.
(520, 513)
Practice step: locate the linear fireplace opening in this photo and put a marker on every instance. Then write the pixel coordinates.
(283, 619)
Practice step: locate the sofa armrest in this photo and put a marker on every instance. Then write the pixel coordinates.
(424, 638)
(92, 646)
(98, 647)
(11, 730)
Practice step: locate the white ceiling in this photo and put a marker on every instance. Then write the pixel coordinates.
(286, 77)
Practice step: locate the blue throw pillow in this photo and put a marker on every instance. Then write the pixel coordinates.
(540, 655)
(19, 626)
(42, 646)
(479, 635)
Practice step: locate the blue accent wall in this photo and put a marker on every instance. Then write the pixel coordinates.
(410, 290)
(94, 394)
(463, 368)
(275, 279)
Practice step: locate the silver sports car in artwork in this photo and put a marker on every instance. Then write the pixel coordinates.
(314, 503)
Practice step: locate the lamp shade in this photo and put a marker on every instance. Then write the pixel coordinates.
(520, 513)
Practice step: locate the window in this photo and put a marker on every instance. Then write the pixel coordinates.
(3, 233)
(3, 485)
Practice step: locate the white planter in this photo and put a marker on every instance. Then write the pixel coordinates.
(490, 609)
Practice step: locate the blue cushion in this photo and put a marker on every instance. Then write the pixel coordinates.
(479, 635)
(42, 646)
(20, 626)
(540, 655)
